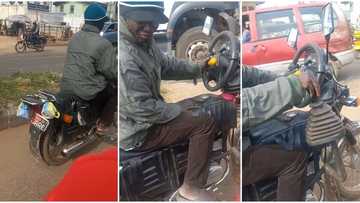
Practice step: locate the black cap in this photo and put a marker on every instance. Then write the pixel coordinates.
(144, 11)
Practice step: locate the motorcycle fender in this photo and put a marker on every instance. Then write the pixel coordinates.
(35, 138)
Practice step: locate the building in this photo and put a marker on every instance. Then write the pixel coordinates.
(73, 12)
(35, 11)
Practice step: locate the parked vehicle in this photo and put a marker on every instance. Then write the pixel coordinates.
(157, 174)
(330, 139)
(183, 37)
(269, 28)
(31, 41)
(109, 27)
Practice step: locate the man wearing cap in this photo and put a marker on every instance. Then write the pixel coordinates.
(90, 70)
(146, 120)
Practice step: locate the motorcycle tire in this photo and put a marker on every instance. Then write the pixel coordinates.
(41, 46)
(51, 146)
(20, 47)
(350, 189)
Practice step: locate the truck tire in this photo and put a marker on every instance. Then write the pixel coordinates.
(193, 45)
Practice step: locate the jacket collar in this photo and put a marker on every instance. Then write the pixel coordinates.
(90, 28)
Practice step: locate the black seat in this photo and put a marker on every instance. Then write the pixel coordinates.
(125, 155)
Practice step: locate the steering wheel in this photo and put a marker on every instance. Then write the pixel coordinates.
(225, 47)
(314, 60)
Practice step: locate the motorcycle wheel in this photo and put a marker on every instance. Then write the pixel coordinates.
(20, 47)
(51, 146)
(41, 46)
(350, 188)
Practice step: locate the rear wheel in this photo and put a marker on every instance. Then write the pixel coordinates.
(40, 47)
(20, 46)
(51, 146)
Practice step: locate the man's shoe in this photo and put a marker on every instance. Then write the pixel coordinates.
(202, 195)
(103, 130)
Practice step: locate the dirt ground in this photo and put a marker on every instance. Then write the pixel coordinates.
(179, 90)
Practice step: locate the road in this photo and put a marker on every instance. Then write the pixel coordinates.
(52, 59)
(22, 177)
(350, 76)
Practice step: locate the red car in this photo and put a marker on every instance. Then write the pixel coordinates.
(267, 47)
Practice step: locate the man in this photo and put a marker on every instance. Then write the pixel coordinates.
(265, 95)
(34, 32)
(90, 70)
(146, 120)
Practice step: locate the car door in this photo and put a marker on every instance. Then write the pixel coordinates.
(269, 30)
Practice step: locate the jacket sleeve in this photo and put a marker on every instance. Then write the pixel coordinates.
(136, 99)
(177, 69)
(108, 63)
(253, 76)
(262, 102)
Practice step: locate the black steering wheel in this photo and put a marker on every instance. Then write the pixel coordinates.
(314, 60)
(315, 63)
(225, 47)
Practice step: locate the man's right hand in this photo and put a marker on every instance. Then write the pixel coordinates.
(309, 82)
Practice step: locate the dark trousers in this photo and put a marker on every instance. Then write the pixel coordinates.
(199, 130)
(263, 162)
(106, 102)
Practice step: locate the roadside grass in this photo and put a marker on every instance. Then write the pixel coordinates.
(13, 87)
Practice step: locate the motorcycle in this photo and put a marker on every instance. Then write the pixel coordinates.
(157, 174)
(60, 125)
(330, 138)
(32, 42)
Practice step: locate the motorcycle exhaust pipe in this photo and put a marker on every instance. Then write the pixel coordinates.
(72, 149)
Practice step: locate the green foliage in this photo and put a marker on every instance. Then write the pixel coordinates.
(13, 87)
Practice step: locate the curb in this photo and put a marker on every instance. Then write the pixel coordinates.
(8, 118)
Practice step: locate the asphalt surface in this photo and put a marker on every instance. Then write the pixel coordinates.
(52, 59)
(22, 176)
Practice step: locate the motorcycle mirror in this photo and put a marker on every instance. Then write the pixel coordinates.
(209, 21)
(292, 38)
(328, 26)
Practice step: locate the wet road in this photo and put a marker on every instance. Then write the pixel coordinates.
(22, 177)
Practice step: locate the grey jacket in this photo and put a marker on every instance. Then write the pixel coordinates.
(142, 67)
(264, 95)
(90, 64)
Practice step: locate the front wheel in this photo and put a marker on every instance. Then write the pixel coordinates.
(350, 154)
(20, 46)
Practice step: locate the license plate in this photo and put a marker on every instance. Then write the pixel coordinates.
(40, 122)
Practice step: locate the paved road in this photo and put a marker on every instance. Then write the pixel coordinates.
(22, 177)
(52, 59)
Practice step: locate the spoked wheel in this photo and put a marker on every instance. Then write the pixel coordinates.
(51, 147)
(350, 188)
(20, 46)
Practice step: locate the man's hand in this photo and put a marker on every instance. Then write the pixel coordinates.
(309, 82)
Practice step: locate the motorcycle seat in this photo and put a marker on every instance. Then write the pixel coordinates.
(125, 155)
